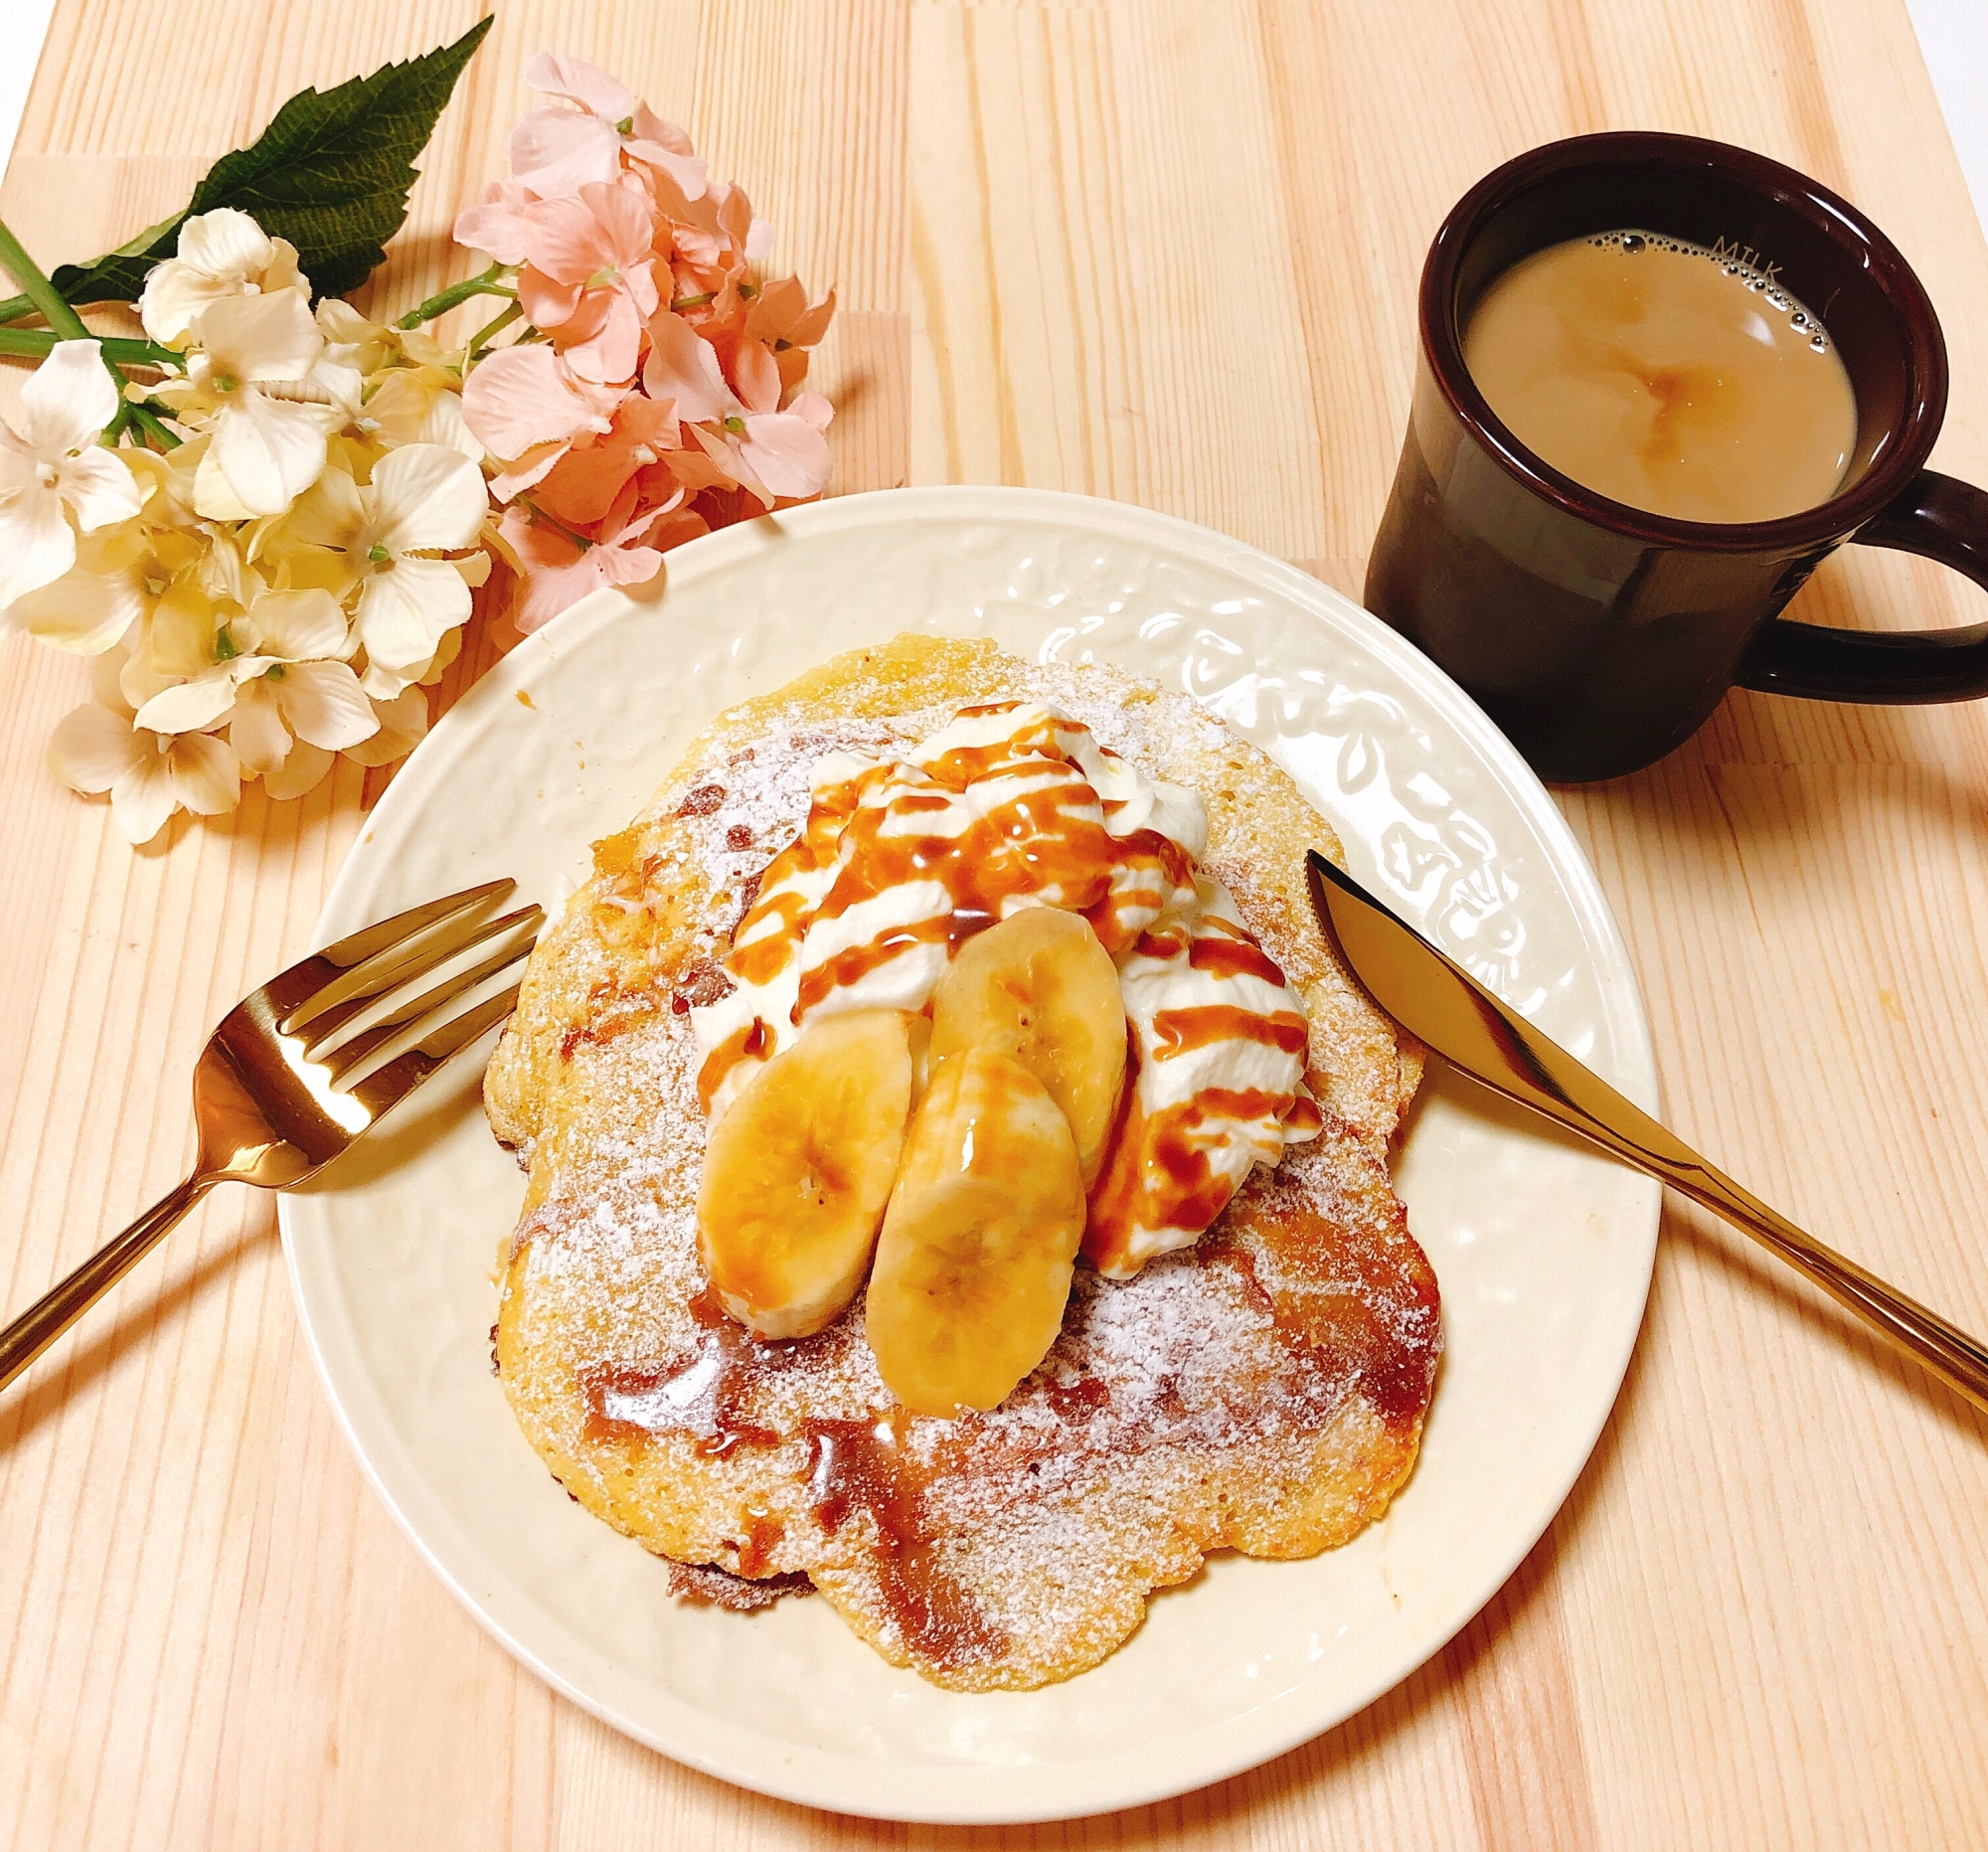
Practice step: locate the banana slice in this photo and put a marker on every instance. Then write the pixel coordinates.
(973, 1268)
(798, 1171)
(1040, 987)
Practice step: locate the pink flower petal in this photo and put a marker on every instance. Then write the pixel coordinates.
(684, 368)
(500, 228)
(547, 305)
(788, 455)
(556, 152)
(568, 241)
(522, 397)
(649, 126)
(611, 342)
(814, 408)
(778, 308)
(625, 218)
(529, 468)
(578, 80)
(687, 170)
(757, 376)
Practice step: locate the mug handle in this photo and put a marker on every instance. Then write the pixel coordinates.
(1940, 517)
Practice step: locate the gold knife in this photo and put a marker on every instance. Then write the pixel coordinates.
(1441, 1004)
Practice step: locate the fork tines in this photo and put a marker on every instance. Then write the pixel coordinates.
(344, 978)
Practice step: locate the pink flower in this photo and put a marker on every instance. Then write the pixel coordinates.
(558, 572)
(556, 152)
(784, 451)
(501, 227)
(789, 324)
(584, 484)
(525, 404)
(589, 276)
(711, 240)
(684, 368)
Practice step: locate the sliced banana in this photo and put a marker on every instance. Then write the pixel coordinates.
(798, 1172)
(1040, 987)
(973, 1266)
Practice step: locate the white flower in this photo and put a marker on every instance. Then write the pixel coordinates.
(56, 468)
(421, 405)
(265, 450)
(93, 604)
(149, 776)
(278, 678)
(423, 499)
(220, 254)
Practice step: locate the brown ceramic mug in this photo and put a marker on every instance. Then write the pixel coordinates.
(1599, 636)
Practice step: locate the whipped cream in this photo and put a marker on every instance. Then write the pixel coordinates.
(1012, 806)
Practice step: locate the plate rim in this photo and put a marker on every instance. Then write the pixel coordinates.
(836, 1782)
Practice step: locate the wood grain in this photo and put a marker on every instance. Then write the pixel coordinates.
(1164, 252)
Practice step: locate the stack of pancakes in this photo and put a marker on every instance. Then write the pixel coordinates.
(1263, 1391)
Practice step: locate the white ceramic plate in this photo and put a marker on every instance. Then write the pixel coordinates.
(1543, 1251)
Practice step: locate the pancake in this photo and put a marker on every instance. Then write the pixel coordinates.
(1262, 1391)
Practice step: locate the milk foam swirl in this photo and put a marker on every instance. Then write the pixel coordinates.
(1014, 805)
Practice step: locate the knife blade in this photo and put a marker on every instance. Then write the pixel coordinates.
(1442, 1005)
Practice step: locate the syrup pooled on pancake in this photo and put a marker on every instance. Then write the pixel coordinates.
(1263, 1391)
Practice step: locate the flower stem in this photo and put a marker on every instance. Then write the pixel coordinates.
(540, 516)
(492, 328)
(148, 421)
(117, 352)
(484, 283)
(66, 323)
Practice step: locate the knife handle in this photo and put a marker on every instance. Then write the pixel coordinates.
(1959, 1361)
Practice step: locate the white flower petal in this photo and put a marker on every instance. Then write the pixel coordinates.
(175, 294)
(255, 729)
(226, 244)
(92, 748)
(403, 612)
(187, 707)
(281, 271)
(213, 498)
(260, 337)
(206, 778)
(324, 704)
(387, 684)
(298, 624)
(403, 722)
(37, 544)
(444, 424)
(426, 495)
(97, 485)
(142, 800)
(299, 773)
(270, 451)
(328, 514)
(68, 398)
(85, 612)
(342, 383)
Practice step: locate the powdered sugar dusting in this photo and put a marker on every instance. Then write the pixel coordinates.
(1265, 1390)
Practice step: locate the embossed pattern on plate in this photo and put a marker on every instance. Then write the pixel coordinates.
(1543, 1249)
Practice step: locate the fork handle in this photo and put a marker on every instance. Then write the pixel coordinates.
(63, 1304)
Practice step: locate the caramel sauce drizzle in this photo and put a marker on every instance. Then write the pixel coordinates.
(1048, 840)
(1181, 1031)
(747, 1044)
(864, 1464)
(1223, 956)
(850, 1466)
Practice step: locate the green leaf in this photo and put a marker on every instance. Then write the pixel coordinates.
(331, 174)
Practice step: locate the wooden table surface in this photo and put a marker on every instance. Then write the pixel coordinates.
(1165, 253)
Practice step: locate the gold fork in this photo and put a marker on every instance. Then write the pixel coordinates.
(266, 1095)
